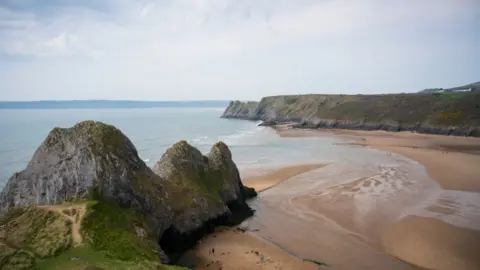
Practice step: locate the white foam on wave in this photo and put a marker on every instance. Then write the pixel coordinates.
(215, 109)
(201, 139)
(249, 137)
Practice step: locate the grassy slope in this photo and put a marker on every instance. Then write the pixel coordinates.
(438, 109)
(114, 238)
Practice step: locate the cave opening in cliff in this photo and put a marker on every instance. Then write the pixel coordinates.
(174, 243)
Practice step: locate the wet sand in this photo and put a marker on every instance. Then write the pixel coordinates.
(433, 243)
(268, 180)
(451, 161)
(312, 219)
(383, 212)
(440, 232)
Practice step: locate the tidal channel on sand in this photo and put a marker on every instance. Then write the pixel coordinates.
(369, 210)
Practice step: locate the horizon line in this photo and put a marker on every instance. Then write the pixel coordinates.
(117, 100)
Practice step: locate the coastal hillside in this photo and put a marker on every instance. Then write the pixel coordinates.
(435, 113)
(87, 201)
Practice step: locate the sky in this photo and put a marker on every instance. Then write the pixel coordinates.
(233, 49)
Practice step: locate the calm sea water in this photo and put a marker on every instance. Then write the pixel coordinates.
(154, 130)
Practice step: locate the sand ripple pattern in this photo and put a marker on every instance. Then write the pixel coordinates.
(341, 213)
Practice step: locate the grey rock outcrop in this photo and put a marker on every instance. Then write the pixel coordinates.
(89, 160)
(209, 184)
(242, 110)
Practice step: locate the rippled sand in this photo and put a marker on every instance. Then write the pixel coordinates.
(339, 224)
(424, 209)
(415, 204)
(265, 179)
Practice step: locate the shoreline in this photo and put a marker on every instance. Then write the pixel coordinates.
(298, 123)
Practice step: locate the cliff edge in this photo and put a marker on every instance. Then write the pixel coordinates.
(86, 191)
(433, 113)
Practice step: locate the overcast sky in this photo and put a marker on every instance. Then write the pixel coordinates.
(233, 49)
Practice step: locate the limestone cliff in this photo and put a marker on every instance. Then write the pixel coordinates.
(95, 164)
(91, 160)
(437, 113)
(242, 110)
(208, 184)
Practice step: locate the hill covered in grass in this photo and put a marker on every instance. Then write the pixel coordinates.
(435, 113)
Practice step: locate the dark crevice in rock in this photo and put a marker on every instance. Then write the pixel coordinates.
(174, 243)
(239, 211)
(249, 192)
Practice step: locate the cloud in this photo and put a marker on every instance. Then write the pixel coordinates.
(183, 49)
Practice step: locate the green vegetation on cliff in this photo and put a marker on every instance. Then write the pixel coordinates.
(44, 238)
(120, 233)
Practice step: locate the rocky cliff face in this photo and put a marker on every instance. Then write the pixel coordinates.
(96, 161)
(208, 183)
(91, 160)
(242, 110)
(205, 191)
(438, 113)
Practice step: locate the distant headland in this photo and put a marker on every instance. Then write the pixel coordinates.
(454, 111)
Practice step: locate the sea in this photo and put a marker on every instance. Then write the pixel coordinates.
(154, 130)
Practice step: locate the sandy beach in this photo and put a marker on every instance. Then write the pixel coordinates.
(422, 212)
(234, 249)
